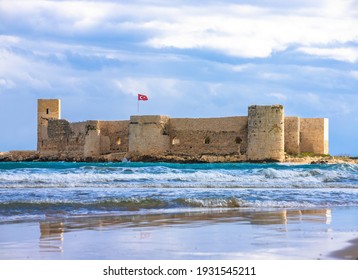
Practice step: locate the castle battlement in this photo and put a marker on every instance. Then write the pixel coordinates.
(264, 135)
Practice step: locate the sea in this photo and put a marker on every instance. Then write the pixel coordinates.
(37, 191)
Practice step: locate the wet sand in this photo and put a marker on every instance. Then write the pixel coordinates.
(348, 253)
(292, 234)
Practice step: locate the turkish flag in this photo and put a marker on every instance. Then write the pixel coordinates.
(142, 97)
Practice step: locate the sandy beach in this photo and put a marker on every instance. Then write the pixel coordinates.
(348, 253)
(309, 234)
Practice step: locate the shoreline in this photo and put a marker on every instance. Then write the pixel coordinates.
(35, 156)
(348, 253)
(293, 234)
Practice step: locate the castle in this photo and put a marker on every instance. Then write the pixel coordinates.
(264, 135)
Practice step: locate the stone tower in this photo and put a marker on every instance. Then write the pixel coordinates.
(266, 133)
(149, 135)
(46, 109)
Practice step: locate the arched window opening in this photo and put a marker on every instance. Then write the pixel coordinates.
(118, 141)
(207, 140)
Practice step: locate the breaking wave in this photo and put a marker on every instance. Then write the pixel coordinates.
(40, 189)
(175, 175)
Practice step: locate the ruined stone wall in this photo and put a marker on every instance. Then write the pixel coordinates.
(85, 139)
(219, 136)
(265, 133)
(314, 135)
(58, 137)
(149, 135)
(114, 136)
(77, 136)
(68, 139)
(292, 135)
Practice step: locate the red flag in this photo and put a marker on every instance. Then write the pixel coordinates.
(142, 97)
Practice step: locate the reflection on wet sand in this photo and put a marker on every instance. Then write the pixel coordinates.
(285, 216)
(51, 238)
(52, 232)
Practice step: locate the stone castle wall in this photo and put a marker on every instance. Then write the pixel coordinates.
(292, 135)
(64, 137)
(215, 136)
(149, 135)
(46, 109)
(265, 134)
(114, 136)
(85, 139)
(314, 135)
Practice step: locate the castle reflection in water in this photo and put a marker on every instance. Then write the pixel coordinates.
(53, 232)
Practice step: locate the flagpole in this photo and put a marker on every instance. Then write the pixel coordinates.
(141, 97)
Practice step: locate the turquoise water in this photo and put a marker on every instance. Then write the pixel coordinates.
(34, 191)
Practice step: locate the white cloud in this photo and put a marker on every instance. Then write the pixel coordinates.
(6, 83)
(152, 86)
(241, 67)
(22, 71)
(341, 54)
(273, 76)
(132, 86)
(68, 16)
(238, 30)
(6, 40)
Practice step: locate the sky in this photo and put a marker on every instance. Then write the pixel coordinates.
(191, 58)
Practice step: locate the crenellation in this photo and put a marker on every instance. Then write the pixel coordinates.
(264, 135)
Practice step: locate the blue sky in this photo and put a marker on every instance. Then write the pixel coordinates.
(192, 58)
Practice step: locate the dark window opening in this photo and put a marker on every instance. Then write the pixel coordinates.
(238, 140)
(165, 130)
(47, 111)
(207, 140)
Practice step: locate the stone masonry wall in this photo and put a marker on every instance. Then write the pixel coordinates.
(326, 136)
(149, 135)
(114, 136)
(265, 133)
(314, 135)
(292, 135)
(46, 109)
(219, 136)
(85, 139)
(68, 139)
